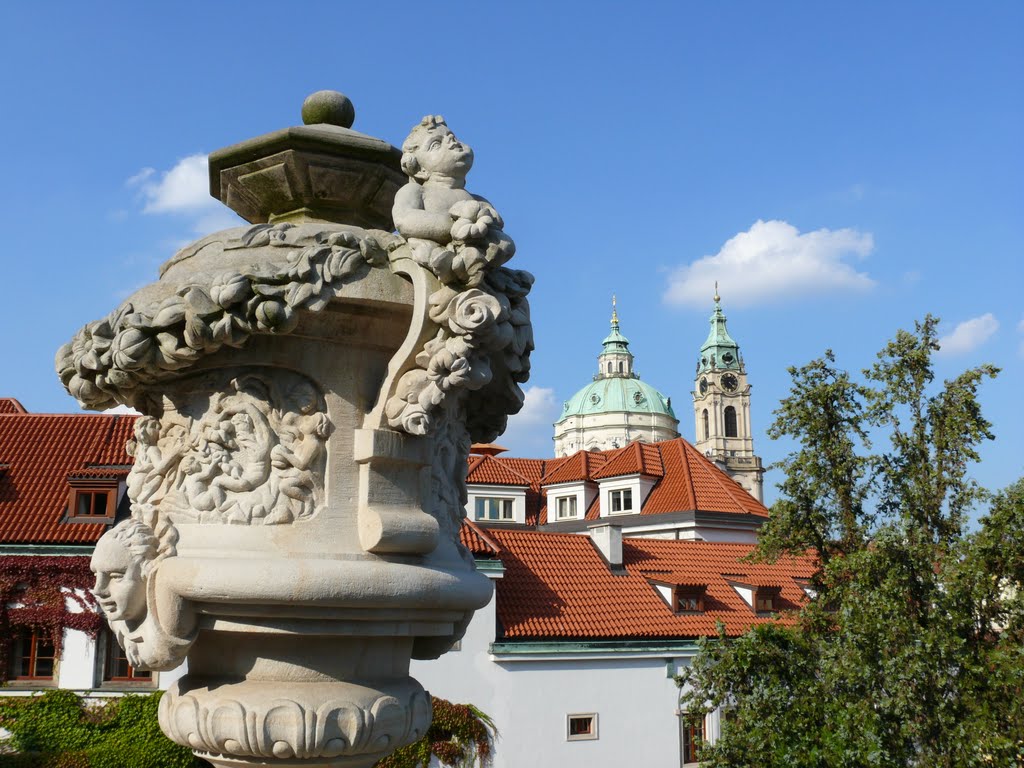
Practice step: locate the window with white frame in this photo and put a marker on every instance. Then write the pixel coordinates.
(493, 509)
(565, 508)
(581, 727)
(620, 501)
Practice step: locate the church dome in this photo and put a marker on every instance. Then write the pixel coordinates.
(615, 395)
(616, 407)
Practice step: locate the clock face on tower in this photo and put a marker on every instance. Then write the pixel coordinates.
(703, 386)
(730, 383)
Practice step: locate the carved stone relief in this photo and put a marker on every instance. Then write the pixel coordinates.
(250, 454)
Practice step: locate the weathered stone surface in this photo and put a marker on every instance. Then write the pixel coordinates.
(310, 389)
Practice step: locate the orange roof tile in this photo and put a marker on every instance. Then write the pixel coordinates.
(42, 450)
(685, 479)
(576, 468)
(635, 459)
(10, 405)
(492, 471)
(557, 586)
(691, 481)
(476, 540)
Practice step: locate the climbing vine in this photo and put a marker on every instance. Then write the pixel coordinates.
(48, 594)
(459, 735)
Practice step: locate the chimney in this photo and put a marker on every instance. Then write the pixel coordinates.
(607, 538)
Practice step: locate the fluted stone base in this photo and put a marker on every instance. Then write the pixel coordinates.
(299, 724)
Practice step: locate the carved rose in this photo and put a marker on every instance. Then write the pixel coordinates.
(473, 312)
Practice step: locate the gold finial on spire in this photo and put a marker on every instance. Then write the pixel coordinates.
(615, 312)
(717, 297)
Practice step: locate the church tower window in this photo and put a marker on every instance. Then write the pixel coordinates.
(730, 421)
(707, 429)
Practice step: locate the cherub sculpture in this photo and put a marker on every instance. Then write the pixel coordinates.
(453, 233)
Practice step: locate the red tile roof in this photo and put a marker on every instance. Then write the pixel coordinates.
(691, 481)
(42, 450)
(10, 405)
(685, 480)
(634, 459)
(488, 470)
(476, 540)
(557, 586)
(576, 468)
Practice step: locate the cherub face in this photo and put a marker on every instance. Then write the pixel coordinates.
(440, 152)
(120, 588)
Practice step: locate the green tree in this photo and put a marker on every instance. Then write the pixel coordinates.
(911, 652)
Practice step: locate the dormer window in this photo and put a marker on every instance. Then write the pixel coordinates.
(620, 501)
(689, 599)
(766, 599)
(493, 509)
(565, 508)
(92, 499)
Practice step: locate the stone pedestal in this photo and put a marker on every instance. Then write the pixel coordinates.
(311, 386)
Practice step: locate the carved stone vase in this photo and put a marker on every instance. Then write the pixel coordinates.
(310, 386)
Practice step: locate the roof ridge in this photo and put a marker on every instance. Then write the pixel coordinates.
(482, 534)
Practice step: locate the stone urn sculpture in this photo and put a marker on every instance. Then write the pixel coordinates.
(310, 386)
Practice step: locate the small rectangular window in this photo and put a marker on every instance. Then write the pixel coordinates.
(765, 600)
(566, 507)
(581, 727)
(691, 737)
(92, 503)
(621, 501)
(491, 509)
(689, 600)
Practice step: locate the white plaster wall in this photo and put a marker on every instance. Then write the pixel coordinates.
(636, 701)
(77, 666)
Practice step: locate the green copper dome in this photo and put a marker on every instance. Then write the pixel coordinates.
(615, 395)
(616, 387)
(719, 352)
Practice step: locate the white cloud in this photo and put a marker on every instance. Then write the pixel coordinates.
(184, 188)
(123, 409)
(530, 432)
(773, 260)
(969, 335)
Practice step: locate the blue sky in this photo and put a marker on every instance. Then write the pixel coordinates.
(840, 170)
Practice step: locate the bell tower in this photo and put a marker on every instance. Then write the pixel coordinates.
(721, 407)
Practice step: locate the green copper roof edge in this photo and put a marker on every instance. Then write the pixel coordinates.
(490, 566)
(549, 647)
(81, 550)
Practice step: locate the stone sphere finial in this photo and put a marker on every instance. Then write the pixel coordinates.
(331, 107)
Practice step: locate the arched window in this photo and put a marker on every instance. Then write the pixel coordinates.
(707, 430)
(609, 367)
(620, 366)
(730, 421)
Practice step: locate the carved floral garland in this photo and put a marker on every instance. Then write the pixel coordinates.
(34, 593)
(479, 327)
(109, 358)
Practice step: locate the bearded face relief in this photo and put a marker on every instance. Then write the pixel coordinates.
(251, 454)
